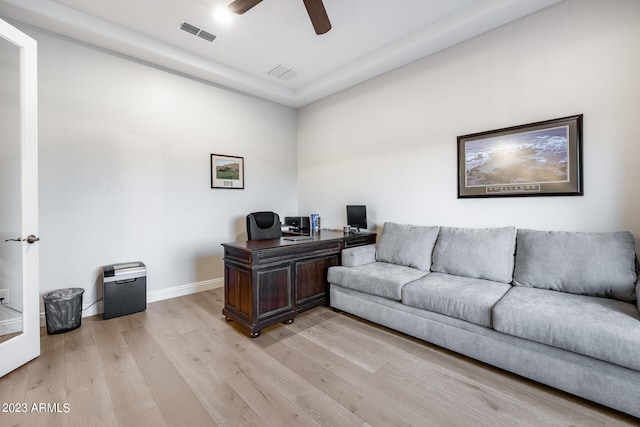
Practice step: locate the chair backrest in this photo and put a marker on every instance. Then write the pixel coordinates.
(263, 225)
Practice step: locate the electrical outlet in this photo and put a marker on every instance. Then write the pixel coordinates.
(4, 293)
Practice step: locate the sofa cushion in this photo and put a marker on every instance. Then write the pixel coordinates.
(482, 253)
(602, 328)
(595, 264)
(408, 245)
(379, 278)
(460, 297)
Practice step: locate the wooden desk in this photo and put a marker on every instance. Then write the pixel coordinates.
(270, 281)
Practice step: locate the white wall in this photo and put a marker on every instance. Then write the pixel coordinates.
(390, 143)
(124, 148)
(125, 174)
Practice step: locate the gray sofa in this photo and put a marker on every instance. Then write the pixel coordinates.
(559, 308)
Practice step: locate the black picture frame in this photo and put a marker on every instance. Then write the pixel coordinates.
(227, 171)
(535, 159)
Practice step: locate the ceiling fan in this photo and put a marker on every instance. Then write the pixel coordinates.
(315, 9)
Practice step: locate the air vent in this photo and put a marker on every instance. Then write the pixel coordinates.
(283, 72)
(185, 26)
(206, 35)
(197, 31)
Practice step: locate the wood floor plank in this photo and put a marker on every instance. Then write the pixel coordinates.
(180, 363)
(309, 399)
(175, 398)
(204, 376)
(251, 384)
(127, 322)
(326, 411)
(47, 381)
(130, 397)
(181, 314)
(249, 353)
(368, 403)
(427, 385)
(533, 393)
(88, 399)
(483, 405)
(361, 351)
(13, 387)
(376, 387)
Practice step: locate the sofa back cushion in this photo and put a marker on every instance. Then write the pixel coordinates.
(595, 264)
(482, 253)
(408, 245)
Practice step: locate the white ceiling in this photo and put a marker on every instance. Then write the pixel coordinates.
(368, 38)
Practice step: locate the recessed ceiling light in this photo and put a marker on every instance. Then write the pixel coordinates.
(222, 15)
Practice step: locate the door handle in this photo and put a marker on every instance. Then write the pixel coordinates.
(29, 239)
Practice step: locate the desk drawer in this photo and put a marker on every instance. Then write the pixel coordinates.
(367, 239)
(295, 252)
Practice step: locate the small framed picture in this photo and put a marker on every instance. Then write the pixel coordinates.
(227, 171)
(536, 159)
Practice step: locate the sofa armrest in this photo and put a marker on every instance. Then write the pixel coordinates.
(359, 255)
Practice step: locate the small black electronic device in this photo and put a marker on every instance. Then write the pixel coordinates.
(357, 216)
(297, 223)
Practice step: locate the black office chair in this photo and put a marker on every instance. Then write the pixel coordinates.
(263, 225)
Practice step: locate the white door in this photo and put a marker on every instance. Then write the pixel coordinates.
(19, 285)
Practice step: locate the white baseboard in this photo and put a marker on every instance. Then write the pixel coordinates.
(180, 291)
(155, 296)
(10, 326)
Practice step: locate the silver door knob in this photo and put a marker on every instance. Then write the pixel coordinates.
(29, 239)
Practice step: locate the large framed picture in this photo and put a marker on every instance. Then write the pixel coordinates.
(536, 159)
(227, 171)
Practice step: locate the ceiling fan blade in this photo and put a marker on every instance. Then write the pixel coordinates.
(241, 6)
(318, 16)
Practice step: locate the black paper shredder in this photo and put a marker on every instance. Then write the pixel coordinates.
(124, 289)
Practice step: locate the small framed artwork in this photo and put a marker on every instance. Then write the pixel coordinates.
(227, 171)
(536, 159)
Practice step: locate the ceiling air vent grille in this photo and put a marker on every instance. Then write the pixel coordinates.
(206, 35)
(283, 72)
(197, 31)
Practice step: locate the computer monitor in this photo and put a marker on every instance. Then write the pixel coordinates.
(357, 216)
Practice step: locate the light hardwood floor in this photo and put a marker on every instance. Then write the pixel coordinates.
(180, 363)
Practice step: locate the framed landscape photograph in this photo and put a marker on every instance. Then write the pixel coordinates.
(536, 159)
(227, 171)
